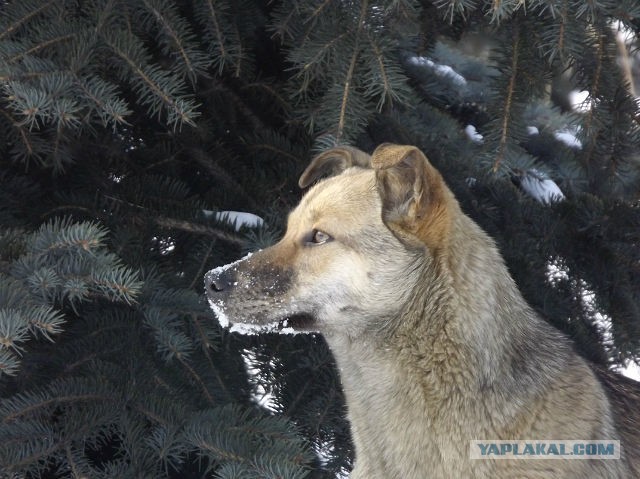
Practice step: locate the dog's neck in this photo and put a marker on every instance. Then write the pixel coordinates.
(460, 344)
(449, 368)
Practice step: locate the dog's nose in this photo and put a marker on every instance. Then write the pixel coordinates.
(217, 285)
(219, 281)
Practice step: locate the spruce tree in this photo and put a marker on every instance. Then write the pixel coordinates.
(128, 125)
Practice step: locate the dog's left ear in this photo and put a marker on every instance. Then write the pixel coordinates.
(333, 162)
(414, 196)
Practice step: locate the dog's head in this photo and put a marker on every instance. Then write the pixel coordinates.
(353, 245)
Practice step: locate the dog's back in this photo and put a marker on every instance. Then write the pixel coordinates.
(624, 396)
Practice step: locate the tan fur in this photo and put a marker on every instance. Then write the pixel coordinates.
(435, 344)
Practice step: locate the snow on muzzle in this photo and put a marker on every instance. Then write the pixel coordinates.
(253, 297)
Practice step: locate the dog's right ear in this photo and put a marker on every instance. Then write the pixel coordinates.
(415, 199)
(333, 162)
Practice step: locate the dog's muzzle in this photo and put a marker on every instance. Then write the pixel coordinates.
(257, 305)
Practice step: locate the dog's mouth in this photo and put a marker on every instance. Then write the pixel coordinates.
(297, 323)
(293, 324)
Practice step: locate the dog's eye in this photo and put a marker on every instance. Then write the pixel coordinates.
(319, 237)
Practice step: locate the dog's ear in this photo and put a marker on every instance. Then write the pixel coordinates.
(414, 196)
(333, 162)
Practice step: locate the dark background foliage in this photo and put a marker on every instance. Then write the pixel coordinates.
(126, 124)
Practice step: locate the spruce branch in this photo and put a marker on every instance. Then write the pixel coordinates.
(240, 52)
(561, 32)
(263, 444)
(229, 34)
(40, 46)
(241, 103)
(172, 33)
(271, 92)
(206, 345)
(110, 107)
(317, 11)
(13, 331)
(177, 38)
(22, 318)
(203, 443)
(383, 78)
(76, 474)
(117, 283)
(146, 412)
(38, 8)
(594, 93)
(319, 57)
(60, 261)
(281, 28)
(21, 130)
(168, 446)
(45, 403)
(143, 213)
(556, 35)
(158, 89)
(218, 35)
(33, 103)
(196, 377)
(62, 234)
(506, 118)
(501, 8)
(386, 85)
(9, 362)
(275, 149)
(625, 65)
(172, 343)
(352, 65)
(454, 8)
(197, 277)
(190, 227)
(36, 452)
(211, 164)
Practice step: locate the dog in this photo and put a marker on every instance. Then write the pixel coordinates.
(435, 345)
